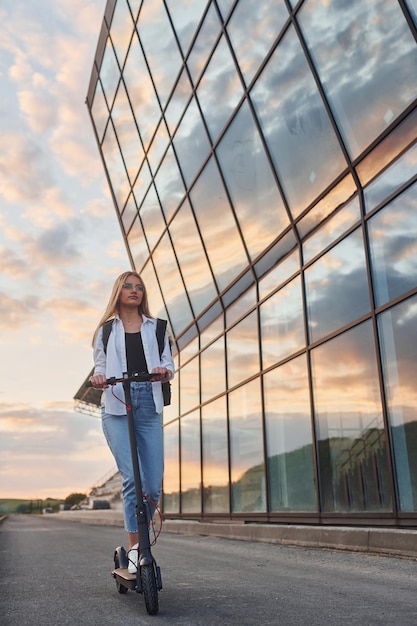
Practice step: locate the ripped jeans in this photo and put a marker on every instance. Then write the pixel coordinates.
(149, 439)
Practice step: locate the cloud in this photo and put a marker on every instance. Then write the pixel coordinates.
(38, 110)
(16, 313)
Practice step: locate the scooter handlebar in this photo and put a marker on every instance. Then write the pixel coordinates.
(137, 376)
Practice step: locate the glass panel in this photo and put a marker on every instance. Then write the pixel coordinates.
(392, 236)
(243, 350)
(99, 111)
(169, 185)
(190, 350)
(158, 146)
(282, 324)
(160, 46)
(156, 304)
(213, 373)
(134, 7)
(279, 274)
(252, 188)
(215, 458)
(253, 28)
(171, 285)
(121, 29)
(337, 287)
(178, 102)
(186, 15)
(332, 229)
(303, 146)
(190, 388)
(109, 73)
(172, 410)
(141, 92)
(291, 481)
(241, 306)
(398, 337)
(192, 259)
(224, 6)
(129, 213)
(349, 43)
(220, 78)
(220, 234)
(334, 199)
(400, 172)
(212, 331)
(152, 218)
(412, 5)
(246, 449)
(352, 452)
(171, 487)
(190, 464)
(204, 43)
(191, 143)
(137, 245)
(127, 133)
(142, 184)
(115, 167)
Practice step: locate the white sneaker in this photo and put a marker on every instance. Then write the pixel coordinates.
(132, 556)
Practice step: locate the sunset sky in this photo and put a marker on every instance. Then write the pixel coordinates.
(60, 248)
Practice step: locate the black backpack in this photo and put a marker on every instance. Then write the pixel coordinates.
(160, 335)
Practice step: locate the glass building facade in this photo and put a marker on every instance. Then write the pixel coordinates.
(262, 158)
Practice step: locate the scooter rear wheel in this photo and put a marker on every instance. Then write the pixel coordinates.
(149, 588)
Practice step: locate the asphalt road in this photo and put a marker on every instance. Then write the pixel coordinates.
(57, 572)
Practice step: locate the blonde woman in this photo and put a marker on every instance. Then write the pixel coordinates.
(132, 346)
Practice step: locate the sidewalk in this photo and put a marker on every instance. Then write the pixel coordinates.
(383, 541)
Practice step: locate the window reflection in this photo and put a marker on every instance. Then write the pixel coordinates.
(352, 449)
(190, 386)
(397, 328)
(191, 143)
(391, 179)
(141, 92)
(279, 274)
(243, 350)
(186, 15)
(127, 133)
(171, 487)
(252, 188)
(337, 287)
(109, 73)
(246, 449)
(99, 111)
(253, 27)
(215, 457)
(282, 324)
(213, 375)
(171, 285)
(142, 184)
(218, 227)
(178, 102)
(192, 259)
(204, 43)
(169, 185)
(152, 219)
(158, 146)
(161, 50)
(121, 29)
(190, 464)
(333, 228)
(349, 42)
(115, 167)
(219, 78)
(156, 303)
(241, 306)
(298, 132)
(137, 245)
(392, 235)
(129, 213)
(289, 438)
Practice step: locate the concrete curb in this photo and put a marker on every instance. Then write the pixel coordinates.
(384, 541)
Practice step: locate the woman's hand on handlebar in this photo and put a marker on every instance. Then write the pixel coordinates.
(98, 381)
(163, 373)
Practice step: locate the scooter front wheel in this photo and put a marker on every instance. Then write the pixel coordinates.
(149, 588)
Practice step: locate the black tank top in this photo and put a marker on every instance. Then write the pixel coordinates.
(134, 353)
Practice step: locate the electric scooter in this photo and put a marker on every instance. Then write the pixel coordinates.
(147, 580)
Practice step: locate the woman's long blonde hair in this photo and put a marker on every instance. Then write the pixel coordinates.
(113, 306)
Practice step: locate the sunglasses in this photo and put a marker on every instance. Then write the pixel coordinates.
(131, 286)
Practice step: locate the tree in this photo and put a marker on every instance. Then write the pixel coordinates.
(74, 498)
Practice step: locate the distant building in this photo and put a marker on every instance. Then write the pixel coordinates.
(262, 159)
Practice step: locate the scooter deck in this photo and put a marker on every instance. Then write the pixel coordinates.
(125, 578)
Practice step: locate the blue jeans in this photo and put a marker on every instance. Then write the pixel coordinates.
(149, 439)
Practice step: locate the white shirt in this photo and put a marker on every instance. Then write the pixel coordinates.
(114, 363)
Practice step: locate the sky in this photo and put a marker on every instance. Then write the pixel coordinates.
(60, 248)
